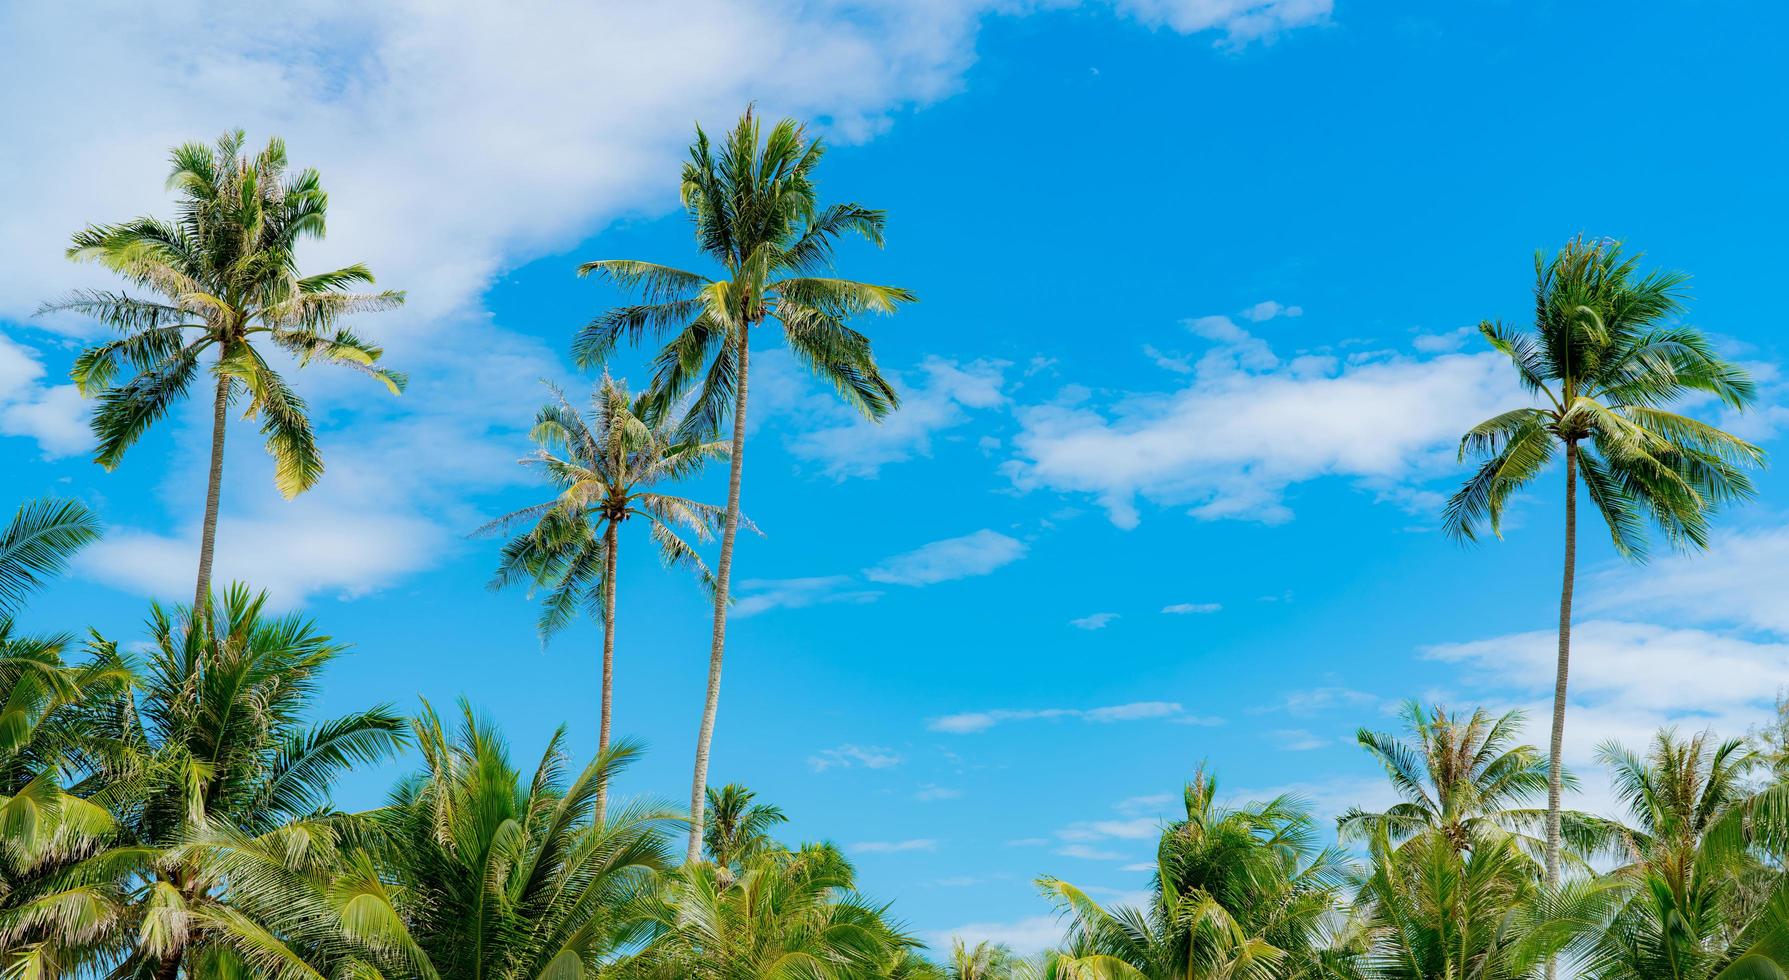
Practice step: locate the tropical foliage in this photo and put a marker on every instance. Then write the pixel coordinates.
(169, 807)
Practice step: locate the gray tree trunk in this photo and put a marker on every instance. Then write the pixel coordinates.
(208, 533)
(1556, 747)
(612, 540)
(723, 571)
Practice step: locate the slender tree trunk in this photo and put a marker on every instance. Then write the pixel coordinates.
(208, 535)
(722, 574)
(1555, 748)
(169, 967)
(611, 541)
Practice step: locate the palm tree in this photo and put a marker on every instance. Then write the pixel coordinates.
(210, 761)
(1608, 360)
(1237, 892)
(225, 275)
(1702, 886)
(477, 873)
(753, 203)
(1462, 777)
(1428, 911)
(738, 829)
(790, 914)
(605, 470)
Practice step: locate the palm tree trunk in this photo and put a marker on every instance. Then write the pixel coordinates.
(722, 573)
(1556, 747)
(610, 543)
(208, 534)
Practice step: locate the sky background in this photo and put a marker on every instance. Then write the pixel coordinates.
(1194, 348)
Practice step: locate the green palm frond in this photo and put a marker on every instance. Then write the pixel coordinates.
(37, 545)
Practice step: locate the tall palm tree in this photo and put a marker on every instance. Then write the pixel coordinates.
(224, 274)
(1608, 361)
(210, 757)
(790, 914)
(738, 829)
(1463, 777)
(982, 961)
(757, 219)
(606, 470)
(1237, 892)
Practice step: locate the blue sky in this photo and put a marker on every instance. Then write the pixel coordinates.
(1181, 392)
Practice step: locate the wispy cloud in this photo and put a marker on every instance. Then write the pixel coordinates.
(1191, 608)
(952, 558)
(849, 756)
(895, 846)
(54, 415)
(941, 395)
(761, 595)
(1738, 582)
(1087, 852)
(930, 793)
(969, 722)
(1095, 621)
(1300, 740)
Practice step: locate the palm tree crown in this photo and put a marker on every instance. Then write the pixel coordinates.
(1464, 777)
(1607, 360)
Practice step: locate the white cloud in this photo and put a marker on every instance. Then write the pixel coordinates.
(54, 415)
(969, 722)
(1241, 20)
(1248, 425)
(1094, 621)
(1328, 698)
(1028, 935)
(1301, 740)
(1087, 852)
(848, 445)
(1134, 828)
(895, 846)
(930, 792)
(848, 756)
(1441, 343)
(1268, 309)
(1190, 608)
(1738, 581)
(1628, 679)
(953, 558)
(761, 595)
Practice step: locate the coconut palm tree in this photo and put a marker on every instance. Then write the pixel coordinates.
(738, 829)
(1703, 892)
(789, 914)
(606, 469)
(982, 961)
(757, 219)
(478, 871)
(225, 279)
(1237, 892)
(1606, 360)
(1426, 910)
(1463, 777)
(210, 761)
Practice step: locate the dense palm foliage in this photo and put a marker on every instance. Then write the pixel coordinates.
(755, 209)
(1606, 361)
(1237, 892)
(222, 277)
(1701, 889)
(607, 469)
(1462, 777)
